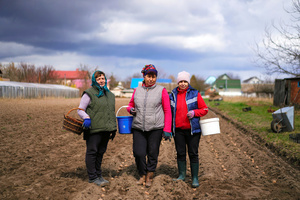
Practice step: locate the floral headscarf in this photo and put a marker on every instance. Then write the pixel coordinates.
(149, 68)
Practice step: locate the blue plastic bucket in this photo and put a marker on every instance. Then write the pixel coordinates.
(124, 122)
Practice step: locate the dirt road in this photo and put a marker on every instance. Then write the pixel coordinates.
(40, 160)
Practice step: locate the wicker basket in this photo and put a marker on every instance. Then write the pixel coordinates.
(72, 124)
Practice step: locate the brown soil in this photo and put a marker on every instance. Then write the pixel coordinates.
(40, 160)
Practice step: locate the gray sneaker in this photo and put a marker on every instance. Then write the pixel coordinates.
(99, 182)
(103, 180)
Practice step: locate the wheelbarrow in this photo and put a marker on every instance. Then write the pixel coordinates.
(283, 120)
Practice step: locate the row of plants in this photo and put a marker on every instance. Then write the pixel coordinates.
(256, 114)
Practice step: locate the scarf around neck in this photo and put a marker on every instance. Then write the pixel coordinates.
(96, 85)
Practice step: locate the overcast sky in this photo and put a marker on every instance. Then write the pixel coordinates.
(203, 37)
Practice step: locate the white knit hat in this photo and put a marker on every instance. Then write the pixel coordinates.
(183, 76)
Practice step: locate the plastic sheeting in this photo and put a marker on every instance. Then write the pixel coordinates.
(10, 89)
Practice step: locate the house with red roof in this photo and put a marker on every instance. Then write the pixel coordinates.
(78, 78)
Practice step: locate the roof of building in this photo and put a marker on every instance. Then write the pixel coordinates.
(251, 78)
(70, 74)
(224, 76)
(135, 81)
(210, 80)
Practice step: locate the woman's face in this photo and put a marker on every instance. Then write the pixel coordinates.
(150, 79)
(183, 85)
(101, 80)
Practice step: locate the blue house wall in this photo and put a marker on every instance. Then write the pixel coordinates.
(135, 81)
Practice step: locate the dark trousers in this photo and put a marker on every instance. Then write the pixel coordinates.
(146, 149)
(96, 145)
(183, 138)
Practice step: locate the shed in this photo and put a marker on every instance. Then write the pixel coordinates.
(287, 92)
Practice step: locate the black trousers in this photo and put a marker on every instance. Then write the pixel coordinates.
(183, 138)
(146, 149)
(96, 145)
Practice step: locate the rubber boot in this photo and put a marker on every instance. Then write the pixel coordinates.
(142, 180)
(149, 179)
(181, 170)
(194, 171)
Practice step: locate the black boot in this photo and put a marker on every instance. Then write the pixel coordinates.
(195, 171)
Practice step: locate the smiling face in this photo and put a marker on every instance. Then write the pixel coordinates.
(150, 79)
(101, 80)
(183, 85)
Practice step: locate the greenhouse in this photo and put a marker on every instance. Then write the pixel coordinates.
(9, 89)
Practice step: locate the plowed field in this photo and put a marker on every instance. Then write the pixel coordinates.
(40, 160)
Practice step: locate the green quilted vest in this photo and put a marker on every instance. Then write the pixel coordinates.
(101, 111)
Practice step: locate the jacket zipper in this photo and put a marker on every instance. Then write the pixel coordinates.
(144, 117)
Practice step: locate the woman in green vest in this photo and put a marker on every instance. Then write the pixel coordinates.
(99, 124)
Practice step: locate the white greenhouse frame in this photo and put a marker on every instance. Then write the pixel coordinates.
(10, 89)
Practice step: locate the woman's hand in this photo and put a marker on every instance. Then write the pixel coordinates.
(167, 136)
(112, 135)
(132, 111)
(87, 123)
(190, 114)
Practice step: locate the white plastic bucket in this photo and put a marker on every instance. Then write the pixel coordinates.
(210, 126)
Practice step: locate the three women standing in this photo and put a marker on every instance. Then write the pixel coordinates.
(187, 107)
(153, 118)
(150, 106)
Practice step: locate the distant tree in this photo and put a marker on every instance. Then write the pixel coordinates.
(172, 78)
(113, 82)
(198, 83)
(24, 72)
(161, 73)
(281, 54)
(127, 82)
(44, 74)
(89, 70)
(266, 88)
(11, 72)
(28, 73)
(137, 75)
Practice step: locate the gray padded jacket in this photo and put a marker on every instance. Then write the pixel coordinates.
(149, 110)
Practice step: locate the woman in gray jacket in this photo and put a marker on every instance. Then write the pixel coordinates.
(150, 106)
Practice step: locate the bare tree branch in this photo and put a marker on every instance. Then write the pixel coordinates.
(279, 51)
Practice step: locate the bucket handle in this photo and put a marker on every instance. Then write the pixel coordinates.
(120, 109)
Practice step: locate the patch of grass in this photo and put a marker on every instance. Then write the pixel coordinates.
(259, 120)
